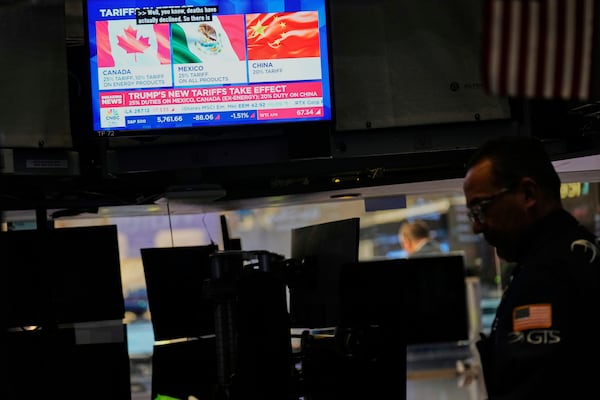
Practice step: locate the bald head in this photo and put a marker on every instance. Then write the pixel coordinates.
(412, 234)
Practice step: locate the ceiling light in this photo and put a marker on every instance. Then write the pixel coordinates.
(345, 196)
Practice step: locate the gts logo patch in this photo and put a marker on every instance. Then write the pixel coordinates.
(537, 336)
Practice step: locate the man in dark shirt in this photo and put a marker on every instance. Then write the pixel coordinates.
(543, 342)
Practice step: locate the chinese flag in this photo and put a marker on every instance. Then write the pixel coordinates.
(539, 48)
(282, 35)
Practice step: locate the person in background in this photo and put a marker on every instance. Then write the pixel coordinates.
(415, 238)
(543, 342)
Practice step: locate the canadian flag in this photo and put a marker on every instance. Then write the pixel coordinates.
(124, 43)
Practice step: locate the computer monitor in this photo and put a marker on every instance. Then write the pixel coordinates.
(65, 363)
(184, 369)
(174, 278)
(325, 247)
(425, 297)
(62, 275)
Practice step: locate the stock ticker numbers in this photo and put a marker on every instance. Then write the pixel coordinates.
(166, 119)
(207, 117)
(241, 115)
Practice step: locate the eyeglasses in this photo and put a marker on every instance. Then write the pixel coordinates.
(478, 210)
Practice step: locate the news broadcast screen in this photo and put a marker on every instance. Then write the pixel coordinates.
(164, 64)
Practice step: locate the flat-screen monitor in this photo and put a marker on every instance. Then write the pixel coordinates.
(62, 275)
(163, 65)
(174, 278)
(424, 298)
(185, 369)
(66, 364)
(324, 248)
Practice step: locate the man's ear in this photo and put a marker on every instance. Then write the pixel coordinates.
(530, 189)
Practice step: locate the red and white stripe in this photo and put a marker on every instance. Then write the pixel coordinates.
(539, 48)
(537, 316)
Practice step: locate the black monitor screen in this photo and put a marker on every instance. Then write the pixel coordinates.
(61, 275)
(314, 299)
(181, 370)
(174, 277)
(425, 297)
(64, 363)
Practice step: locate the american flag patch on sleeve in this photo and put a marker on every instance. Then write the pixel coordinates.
(532, 316)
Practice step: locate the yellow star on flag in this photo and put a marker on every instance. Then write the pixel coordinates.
(258, 29)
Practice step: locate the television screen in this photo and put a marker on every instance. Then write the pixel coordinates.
(325, 248)
(424, 298)
(164, 64)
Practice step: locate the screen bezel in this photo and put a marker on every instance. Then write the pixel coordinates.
(224, 131)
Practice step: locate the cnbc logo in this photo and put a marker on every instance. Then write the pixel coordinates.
(112, 115)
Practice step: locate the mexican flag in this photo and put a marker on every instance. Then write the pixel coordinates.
(219, 40)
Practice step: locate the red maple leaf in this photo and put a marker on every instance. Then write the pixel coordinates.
(130, 42)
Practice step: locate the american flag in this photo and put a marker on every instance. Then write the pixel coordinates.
(538, 48)
(532, 316)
